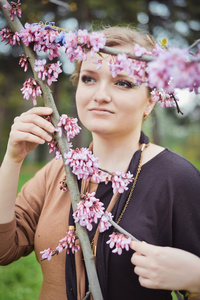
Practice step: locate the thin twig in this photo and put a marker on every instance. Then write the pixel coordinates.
(177, 106)
(194, 44)
(87, 295)
(120, 229)
(113, 51)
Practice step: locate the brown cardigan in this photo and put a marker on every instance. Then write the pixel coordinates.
(42, 212)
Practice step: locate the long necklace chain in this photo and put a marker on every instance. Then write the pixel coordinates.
(143, 146)
(134, 183)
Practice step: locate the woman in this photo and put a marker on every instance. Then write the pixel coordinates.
(113, 110)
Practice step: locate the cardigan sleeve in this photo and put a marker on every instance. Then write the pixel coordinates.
(17, 236)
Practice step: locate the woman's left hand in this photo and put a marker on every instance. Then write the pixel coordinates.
(166, 268)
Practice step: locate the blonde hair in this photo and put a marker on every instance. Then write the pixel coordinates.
(120, 36)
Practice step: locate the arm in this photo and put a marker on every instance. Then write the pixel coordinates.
(166, 268)
(28, 130)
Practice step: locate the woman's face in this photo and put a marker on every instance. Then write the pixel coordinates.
(107, 106)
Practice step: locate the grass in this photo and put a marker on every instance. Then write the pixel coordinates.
(22, 279)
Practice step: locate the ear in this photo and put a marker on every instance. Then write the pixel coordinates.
(149, 106)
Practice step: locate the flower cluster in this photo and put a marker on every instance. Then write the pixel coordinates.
(50, 38)
(75, 43)
(174, 68)
(14, 9)
(104, 223)
(43, 39)
(133, 68)
(119, 241)
(88, 211)
(164, 98)
(120, 181)
(68, 243)
(70, 126)
(54, 147)
(63, 185)
(51, 71)
(23, 62)
(47, 254)
(31, 88)
(11, 37)
(83, 163)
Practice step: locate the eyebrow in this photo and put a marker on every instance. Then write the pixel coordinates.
(89, 71)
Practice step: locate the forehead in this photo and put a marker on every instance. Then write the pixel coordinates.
(104, 57)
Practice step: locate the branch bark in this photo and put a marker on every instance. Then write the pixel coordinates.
(16, 25)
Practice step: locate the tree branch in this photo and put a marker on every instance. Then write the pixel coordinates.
(120, 229)
(64, 148)
(113, 51)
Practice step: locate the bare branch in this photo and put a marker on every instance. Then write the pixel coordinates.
(113, 51)
(120, 229)
(194, 44)
(64, 148)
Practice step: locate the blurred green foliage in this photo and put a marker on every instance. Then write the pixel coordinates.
(22, 279)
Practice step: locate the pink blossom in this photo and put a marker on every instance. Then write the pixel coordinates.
(54, 147)
(120, 181)
(164, 98)
(70, 126)
(8, 34)
(134, 68)
(97, 41)
(88, 211)
(14, 9)
(23, 62)
(68, 243)
(29, 32)
(47, 254)
(119, 241)
(43, 39)
(63, 185)
(51, 71)
(174, 68)
(104, 223)
(83, 163)
(31, 88)
(139, 50)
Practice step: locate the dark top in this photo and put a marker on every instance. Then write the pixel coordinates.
(164, 210)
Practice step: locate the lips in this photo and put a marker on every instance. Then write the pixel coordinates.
(100, 110)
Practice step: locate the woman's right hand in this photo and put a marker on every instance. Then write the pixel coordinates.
(28, 131)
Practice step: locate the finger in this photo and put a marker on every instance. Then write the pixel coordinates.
(40, 110)
(140, 271)
(147, 282)
(35, 120)
(31, 138)
(142, 247)
(138, 259)
(27, 129)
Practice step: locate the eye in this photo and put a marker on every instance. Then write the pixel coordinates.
(87, 79)
(125, 84)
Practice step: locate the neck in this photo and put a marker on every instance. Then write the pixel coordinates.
(115, 154)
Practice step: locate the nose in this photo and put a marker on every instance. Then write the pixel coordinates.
(102, 95)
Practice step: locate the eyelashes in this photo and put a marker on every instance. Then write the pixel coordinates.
(87, 79)
(126, 84)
